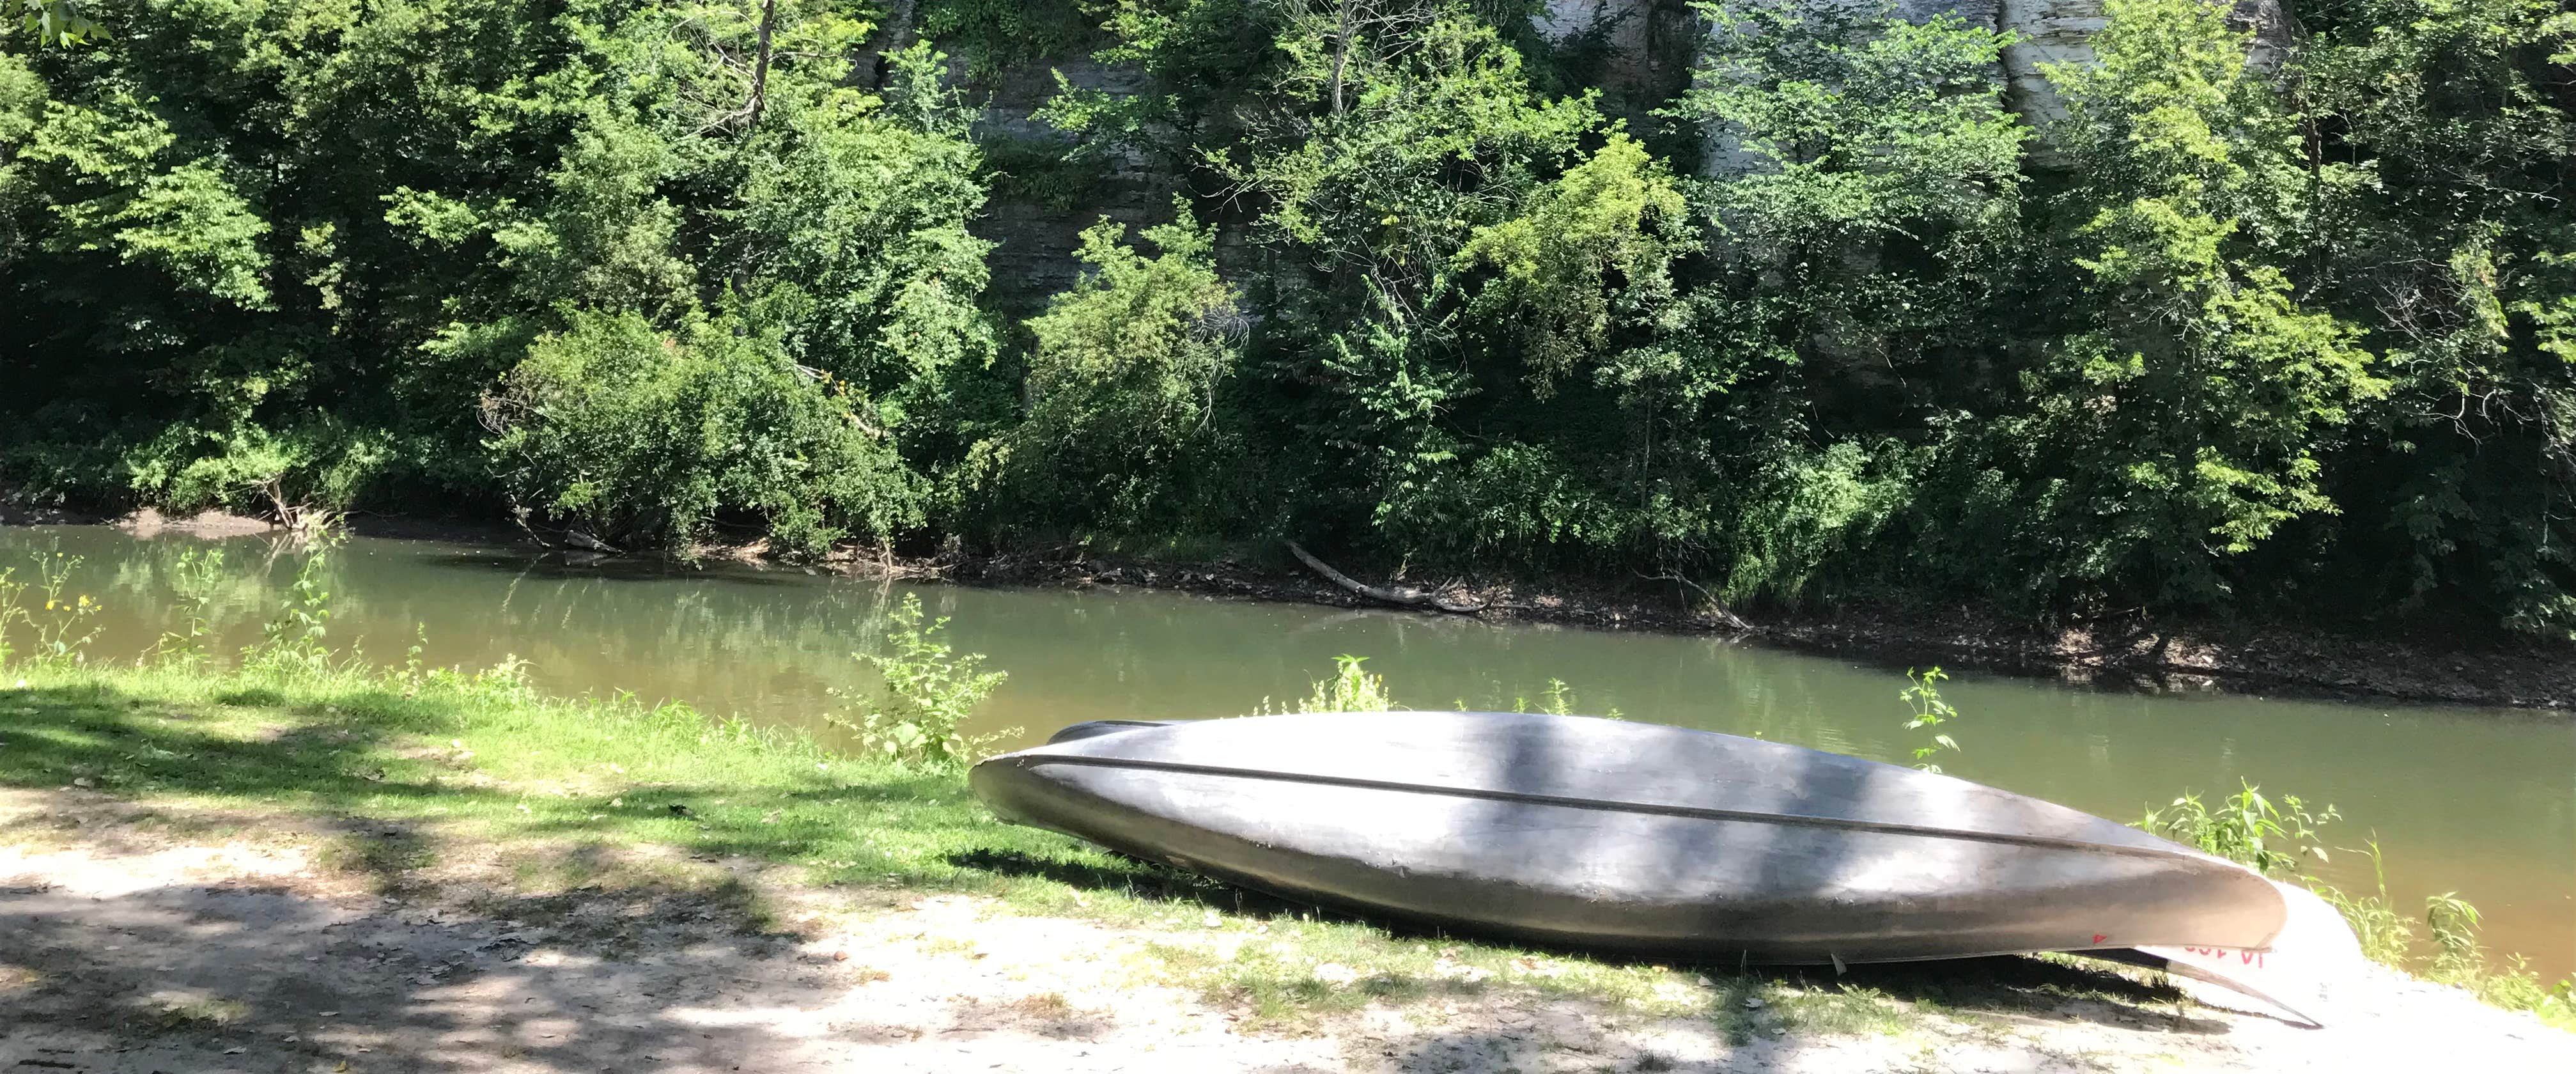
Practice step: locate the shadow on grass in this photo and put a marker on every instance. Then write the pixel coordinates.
(376, 766)
(1151, 881)
(2009, 986)
(98, 737)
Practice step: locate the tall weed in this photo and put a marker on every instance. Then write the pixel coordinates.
(1923, 695)
(61, 630)
(194, 577)
(1348, 689)
(928, 692)
(2386, 936)
(1557, 700)
(295, 641)
(2246, 828)
(12, 611)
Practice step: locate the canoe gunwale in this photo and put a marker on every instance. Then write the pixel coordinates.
(1034, 758)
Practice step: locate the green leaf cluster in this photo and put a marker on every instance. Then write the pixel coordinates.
(1123, 384)
(603, 265)
(1800, 303)
(928, 691)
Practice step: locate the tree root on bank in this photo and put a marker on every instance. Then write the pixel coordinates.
(1402, 598)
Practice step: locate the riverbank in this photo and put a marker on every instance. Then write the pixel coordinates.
(2407, 664)
(424, 869)
(2401, 661)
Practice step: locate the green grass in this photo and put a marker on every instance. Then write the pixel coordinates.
(441, 759)
(403, 772)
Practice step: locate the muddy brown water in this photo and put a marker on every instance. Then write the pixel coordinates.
(2477, 801)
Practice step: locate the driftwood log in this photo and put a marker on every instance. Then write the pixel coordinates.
(1402, 598)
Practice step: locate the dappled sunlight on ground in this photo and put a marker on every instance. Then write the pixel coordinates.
(214, 958)
(333, 878)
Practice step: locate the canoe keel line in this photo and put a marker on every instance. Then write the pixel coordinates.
(1650, 840)
(1617, 806)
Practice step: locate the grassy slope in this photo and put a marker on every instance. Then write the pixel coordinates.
(408, 767)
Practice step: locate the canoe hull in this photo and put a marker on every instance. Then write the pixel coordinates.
(1627, 837)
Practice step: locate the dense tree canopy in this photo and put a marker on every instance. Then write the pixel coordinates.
(1820, 315)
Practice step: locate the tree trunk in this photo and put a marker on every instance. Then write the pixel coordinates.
(760, 66)
(1341, 52)
(1407, 598)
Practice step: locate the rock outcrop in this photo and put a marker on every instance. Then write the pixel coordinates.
(2061, 31)
(1649, 45)
(2044, 32)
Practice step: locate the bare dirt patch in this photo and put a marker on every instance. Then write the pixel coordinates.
(132, 946)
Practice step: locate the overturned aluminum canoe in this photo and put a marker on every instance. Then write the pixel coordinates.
(1626, 836)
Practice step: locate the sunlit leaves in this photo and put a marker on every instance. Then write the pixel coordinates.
(1122, 387)
(1591, 255)
(2189, 415)
(58, 23)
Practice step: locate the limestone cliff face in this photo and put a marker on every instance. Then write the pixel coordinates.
(1650, 42)
(2045, 31)
(1037, 235)
(2061, 31)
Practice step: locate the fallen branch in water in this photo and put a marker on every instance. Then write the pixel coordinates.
(1403, 598)
(1716, 609)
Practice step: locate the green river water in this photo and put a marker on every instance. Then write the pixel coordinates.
(2481, 802)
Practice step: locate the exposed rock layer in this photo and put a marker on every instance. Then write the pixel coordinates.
(2044, 32)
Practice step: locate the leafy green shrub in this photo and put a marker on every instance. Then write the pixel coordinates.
(2182, 419)
(1512, 502)
(1847, 129)
(1122, 386)
(1348, 689)
(854, 215)
(1805, 513)
(927, 694)
(1588, 265)
(2457, 109)
(645, 436)
(2246, 828)
(243, 305)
